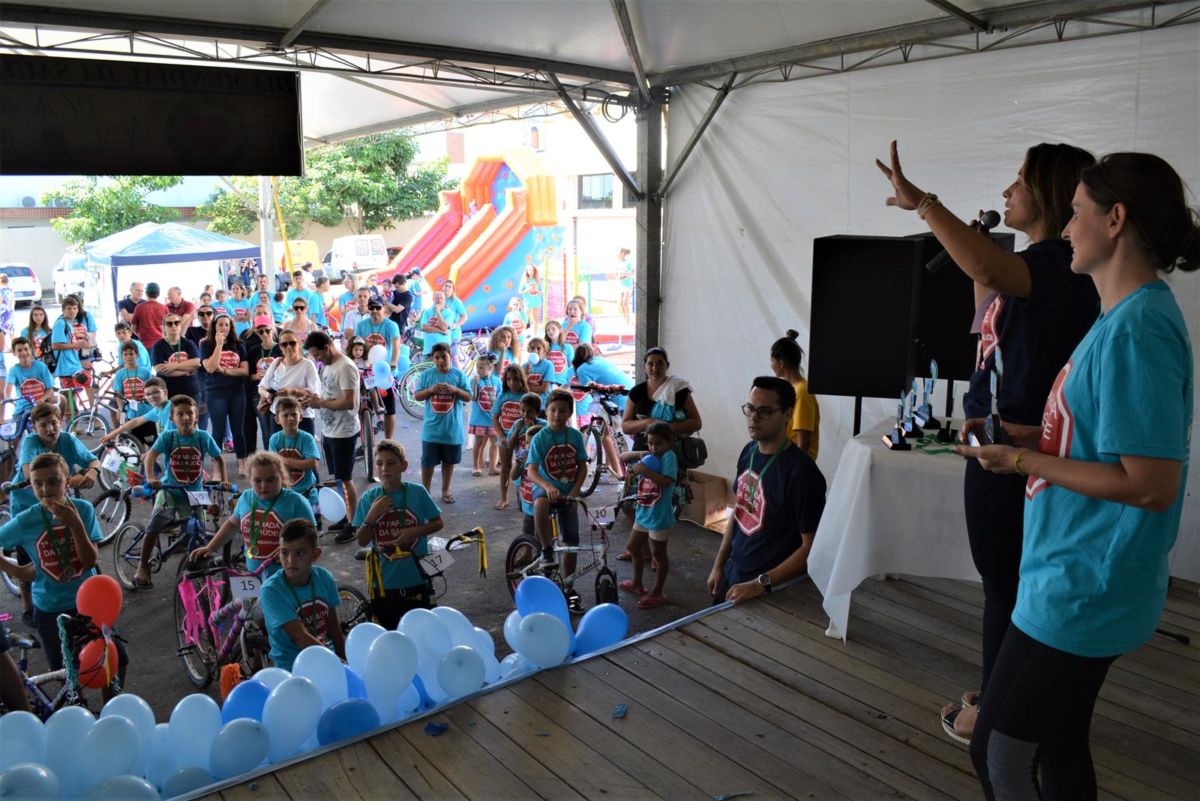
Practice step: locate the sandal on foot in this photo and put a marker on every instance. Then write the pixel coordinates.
(949, 716)
(652, 601)
(971, 698)
(625, 556)
(447, 499)
(627, 586)
(477, 473)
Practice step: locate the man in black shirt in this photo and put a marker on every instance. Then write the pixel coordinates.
(780, 495)
(400, 302)
(130, 302)
(176, 360)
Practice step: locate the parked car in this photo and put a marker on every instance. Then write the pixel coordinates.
(70, 276)
(23, 282)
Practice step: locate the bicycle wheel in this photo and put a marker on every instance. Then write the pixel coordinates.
(112, 511)
(366, 434)
(606, 587)
(127, 553)
(522, 552)
(352, 608)
(595, 462)
(89, 427)
(10, 583)
(196, 650)
(407, 386)
(130, 452)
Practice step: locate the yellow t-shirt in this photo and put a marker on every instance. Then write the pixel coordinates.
(806, 416)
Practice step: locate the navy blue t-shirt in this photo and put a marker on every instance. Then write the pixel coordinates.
(772, 510)
(1036, 335)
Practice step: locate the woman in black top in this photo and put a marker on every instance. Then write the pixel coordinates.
(224, 359)
(261, 350)
(1035, 310)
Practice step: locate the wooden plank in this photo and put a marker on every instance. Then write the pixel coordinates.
(369, 775)
(520, 762)
(264, 788)
(587, 770)
(475, 772)
(322, 777)
(741, 737)
(419, 773)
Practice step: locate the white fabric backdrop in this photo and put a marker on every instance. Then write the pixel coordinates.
(783, 163)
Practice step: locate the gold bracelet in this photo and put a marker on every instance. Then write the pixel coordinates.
(927, 202)
(1017, 463)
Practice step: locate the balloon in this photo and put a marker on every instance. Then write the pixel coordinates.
(322, 665)
(431, 686)
(110, 749)
(331, 504)
(272, 676)
(162, 760)
(461, 671)
(514, 665)
(512, 624)
(246, 701)
(601, 626)
(100, 598)
(240, 747)
(491, 668)
(377, 353)
(94, 671)
(381, 374)
(195, 721)
(410, 701)
(358, 642)
(66, 728)
(430, 634)
(290, 715)
(540, 594)
(419, 684)
(484, 643)
(652, 462)
(391, 665)
(355, 686)
(29, 780)
(185, 780)
(403, 363)
(22, 739)
(126, 788)
(543, 639)
(461, 630)
(141, 716)
(346, 719)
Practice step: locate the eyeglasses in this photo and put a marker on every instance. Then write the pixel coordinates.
(292, 344)
(759, 412)
(261, 331)
(374, 307)
(172, 323)
(204, 314)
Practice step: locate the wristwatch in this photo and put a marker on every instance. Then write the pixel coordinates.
(764, 581)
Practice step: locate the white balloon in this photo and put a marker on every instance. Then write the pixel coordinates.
(22, 739)
(290, 715)
(272, 677)
(358, 643)
(377, 353)
(543, 640)
(461, 671)
(514, 665)
(141, 716)
(491, 669)
(484, 643)
(66, 728)
(430, 634)
(322, 666)
(30, 780)
(110, 749)
(512, 625)
(461, 630)
(331, 504)
(126, 788)
(391, 665)
(195, 721)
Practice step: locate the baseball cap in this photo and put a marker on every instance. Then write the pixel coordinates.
(123, 326)
(374, 303)
(263, 320)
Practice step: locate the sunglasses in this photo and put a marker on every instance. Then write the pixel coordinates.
(299, 308)
(172, 323)
(374, 306)
(204, 314)
(261, 331)
(289, 344)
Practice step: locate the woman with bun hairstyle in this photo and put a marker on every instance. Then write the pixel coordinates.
(1105, 474)
(805, 428)
(1033, 311)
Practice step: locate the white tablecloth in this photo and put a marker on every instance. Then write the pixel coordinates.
(889, 512)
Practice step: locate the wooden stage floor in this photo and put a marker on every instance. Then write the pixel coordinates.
(757, 700)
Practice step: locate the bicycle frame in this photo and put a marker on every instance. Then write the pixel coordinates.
(215, 579)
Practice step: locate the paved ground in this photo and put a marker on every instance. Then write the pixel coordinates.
(148, 622)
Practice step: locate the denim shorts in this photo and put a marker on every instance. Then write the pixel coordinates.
(437, 453)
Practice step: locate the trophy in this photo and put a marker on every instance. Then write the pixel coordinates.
(993, 432)
(924, 413)
(895, 440)
(912, 428)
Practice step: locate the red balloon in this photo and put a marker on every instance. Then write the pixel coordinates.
(100, 598)
(94, 672)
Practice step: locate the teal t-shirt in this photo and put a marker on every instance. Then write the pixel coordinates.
(1093, 572)
(301, 446)
(240, 310)
(484, 392)
(442, 421)
(581, 334)
(654, 512)
(412, 506)
(131, 385)
(385, 333)
(431, 338)
(260, 522)
(508, 410)
(541, 377)
(161, 417)
(185, 456)
(64, 333)
(458, 311)
(557, 456)
(312, 603)
(68, 446)
(49, 545)
(30, 384)
(560, 356)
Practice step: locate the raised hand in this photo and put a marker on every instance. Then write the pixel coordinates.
(906, 196)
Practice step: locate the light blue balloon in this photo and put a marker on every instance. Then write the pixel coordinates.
(346, 719)
(410, 701)
(358, 643)
(512, 624)
(403, 364)
(272, 677)
(141, 716)
(239, 748)
(491, 668)
(66, 728)
(391, 665)
(162, 759)
(433, 687)
(290, 715)
(514, 665)
(484, 643)
(461, 671)
(460, 628)
(430, 635)
(29, 780)
(540, 594)
(381, 374)
(601, 626)
(111, 748)
(355, 686)
(543, 639)
(322, 666)
(185, 780)
(246, 701)
(22, 739)
(125, 788)
(195, 721)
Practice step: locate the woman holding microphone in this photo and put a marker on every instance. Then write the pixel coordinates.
(1034, 311)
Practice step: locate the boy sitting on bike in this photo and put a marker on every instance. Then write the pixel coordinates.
(60, 534)
(185, 447)
(29, 376)
(129, 383)
(556, 466)
(298, 602)
(296, 447)
(48, 437)
(398, 516)
(155, 416)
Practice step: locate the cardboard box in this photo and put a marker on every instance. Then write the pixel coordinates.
(710, 499)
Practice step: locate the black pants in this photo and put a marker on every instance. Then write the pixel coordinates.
(388, 610)
(1035, 717)
(995, 525)
(250, 423)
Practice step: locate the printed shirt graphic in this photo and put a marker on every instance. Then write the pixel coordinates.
(557, 456)
(413, 506)
(557, 358)
(442, 422)
(268, 517)
(52, 590)
(654, 512)
(301, 446)
(230, 359)
(987, 331)
(185, 456)
(510, 411)
(278, 600)
(132, 386)
(483, 402)
(1057, 428)
(31, 383)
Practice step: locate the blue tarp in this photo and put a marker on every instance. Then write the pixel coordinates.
(166, 243)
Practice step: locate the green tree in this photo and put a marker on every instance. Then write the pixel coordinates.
(103, 205)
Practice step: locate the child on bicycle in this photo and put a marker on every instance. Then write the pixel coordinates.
(505, 413)
(60, 533)
(154, 419)
(654, 516)
(485, 388)
(130, 382)
(30, 377)
(539, 370)
(557, 465)
(296, 447)
(185, 447)
(298, 602)
(260, 514)
(48, 437)
(398, 516)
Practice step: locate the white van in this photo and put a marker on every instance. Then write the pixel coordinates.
(359, 255)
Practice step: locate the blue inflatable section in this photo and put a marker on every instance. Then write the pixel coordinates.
(487, 305)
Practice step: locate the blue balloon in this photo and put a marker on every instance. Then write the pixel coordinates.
(354, 684)
(185, 780)
(652, 462)
(246, 701)
(239, 748)
(540, 594)
(426, 701)
(381, 374)
(601, 626)
(346, 719)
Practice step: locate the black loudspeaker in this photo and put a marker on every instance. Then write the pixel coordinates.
(879, 317)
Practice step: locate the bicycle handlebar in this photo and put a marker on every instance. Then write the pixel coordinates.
(605, 389)
(148, 488)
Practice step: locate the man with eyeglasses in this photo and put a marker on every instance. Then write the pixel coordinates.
(779, 494)
(177, 360)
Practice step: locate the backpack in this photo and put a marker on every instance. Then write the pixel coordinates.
(49, 355)
(693, 453)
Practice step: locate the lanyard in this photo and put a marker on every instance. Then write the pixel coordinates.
(62, 547)
(308, 621)
(255, 526)
(753, 490)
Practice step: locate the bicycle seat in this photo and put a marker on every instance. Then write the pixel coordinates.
(22, 642)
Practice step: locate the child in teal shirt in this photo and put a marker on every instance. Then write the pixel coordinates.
(654, 517)
(300, 601)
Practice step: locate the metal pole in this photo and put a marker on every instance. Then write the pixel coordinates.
(648, 268)
(701, 127)
(266, 229)
(594, 133)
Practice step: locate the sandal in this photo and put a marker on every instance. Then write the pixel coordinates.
(627, 586)
(651, 601)
(477, 473)
(447, 499)
(949, 716)
(971, 698)
(625, 556)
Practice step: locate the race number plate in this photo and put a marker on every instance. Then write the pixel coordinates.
(438, 561)
(245, 588)
(198, 498)
(112, 462)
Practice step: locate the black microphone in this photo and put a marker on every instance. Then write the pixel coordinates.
(986, 222)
